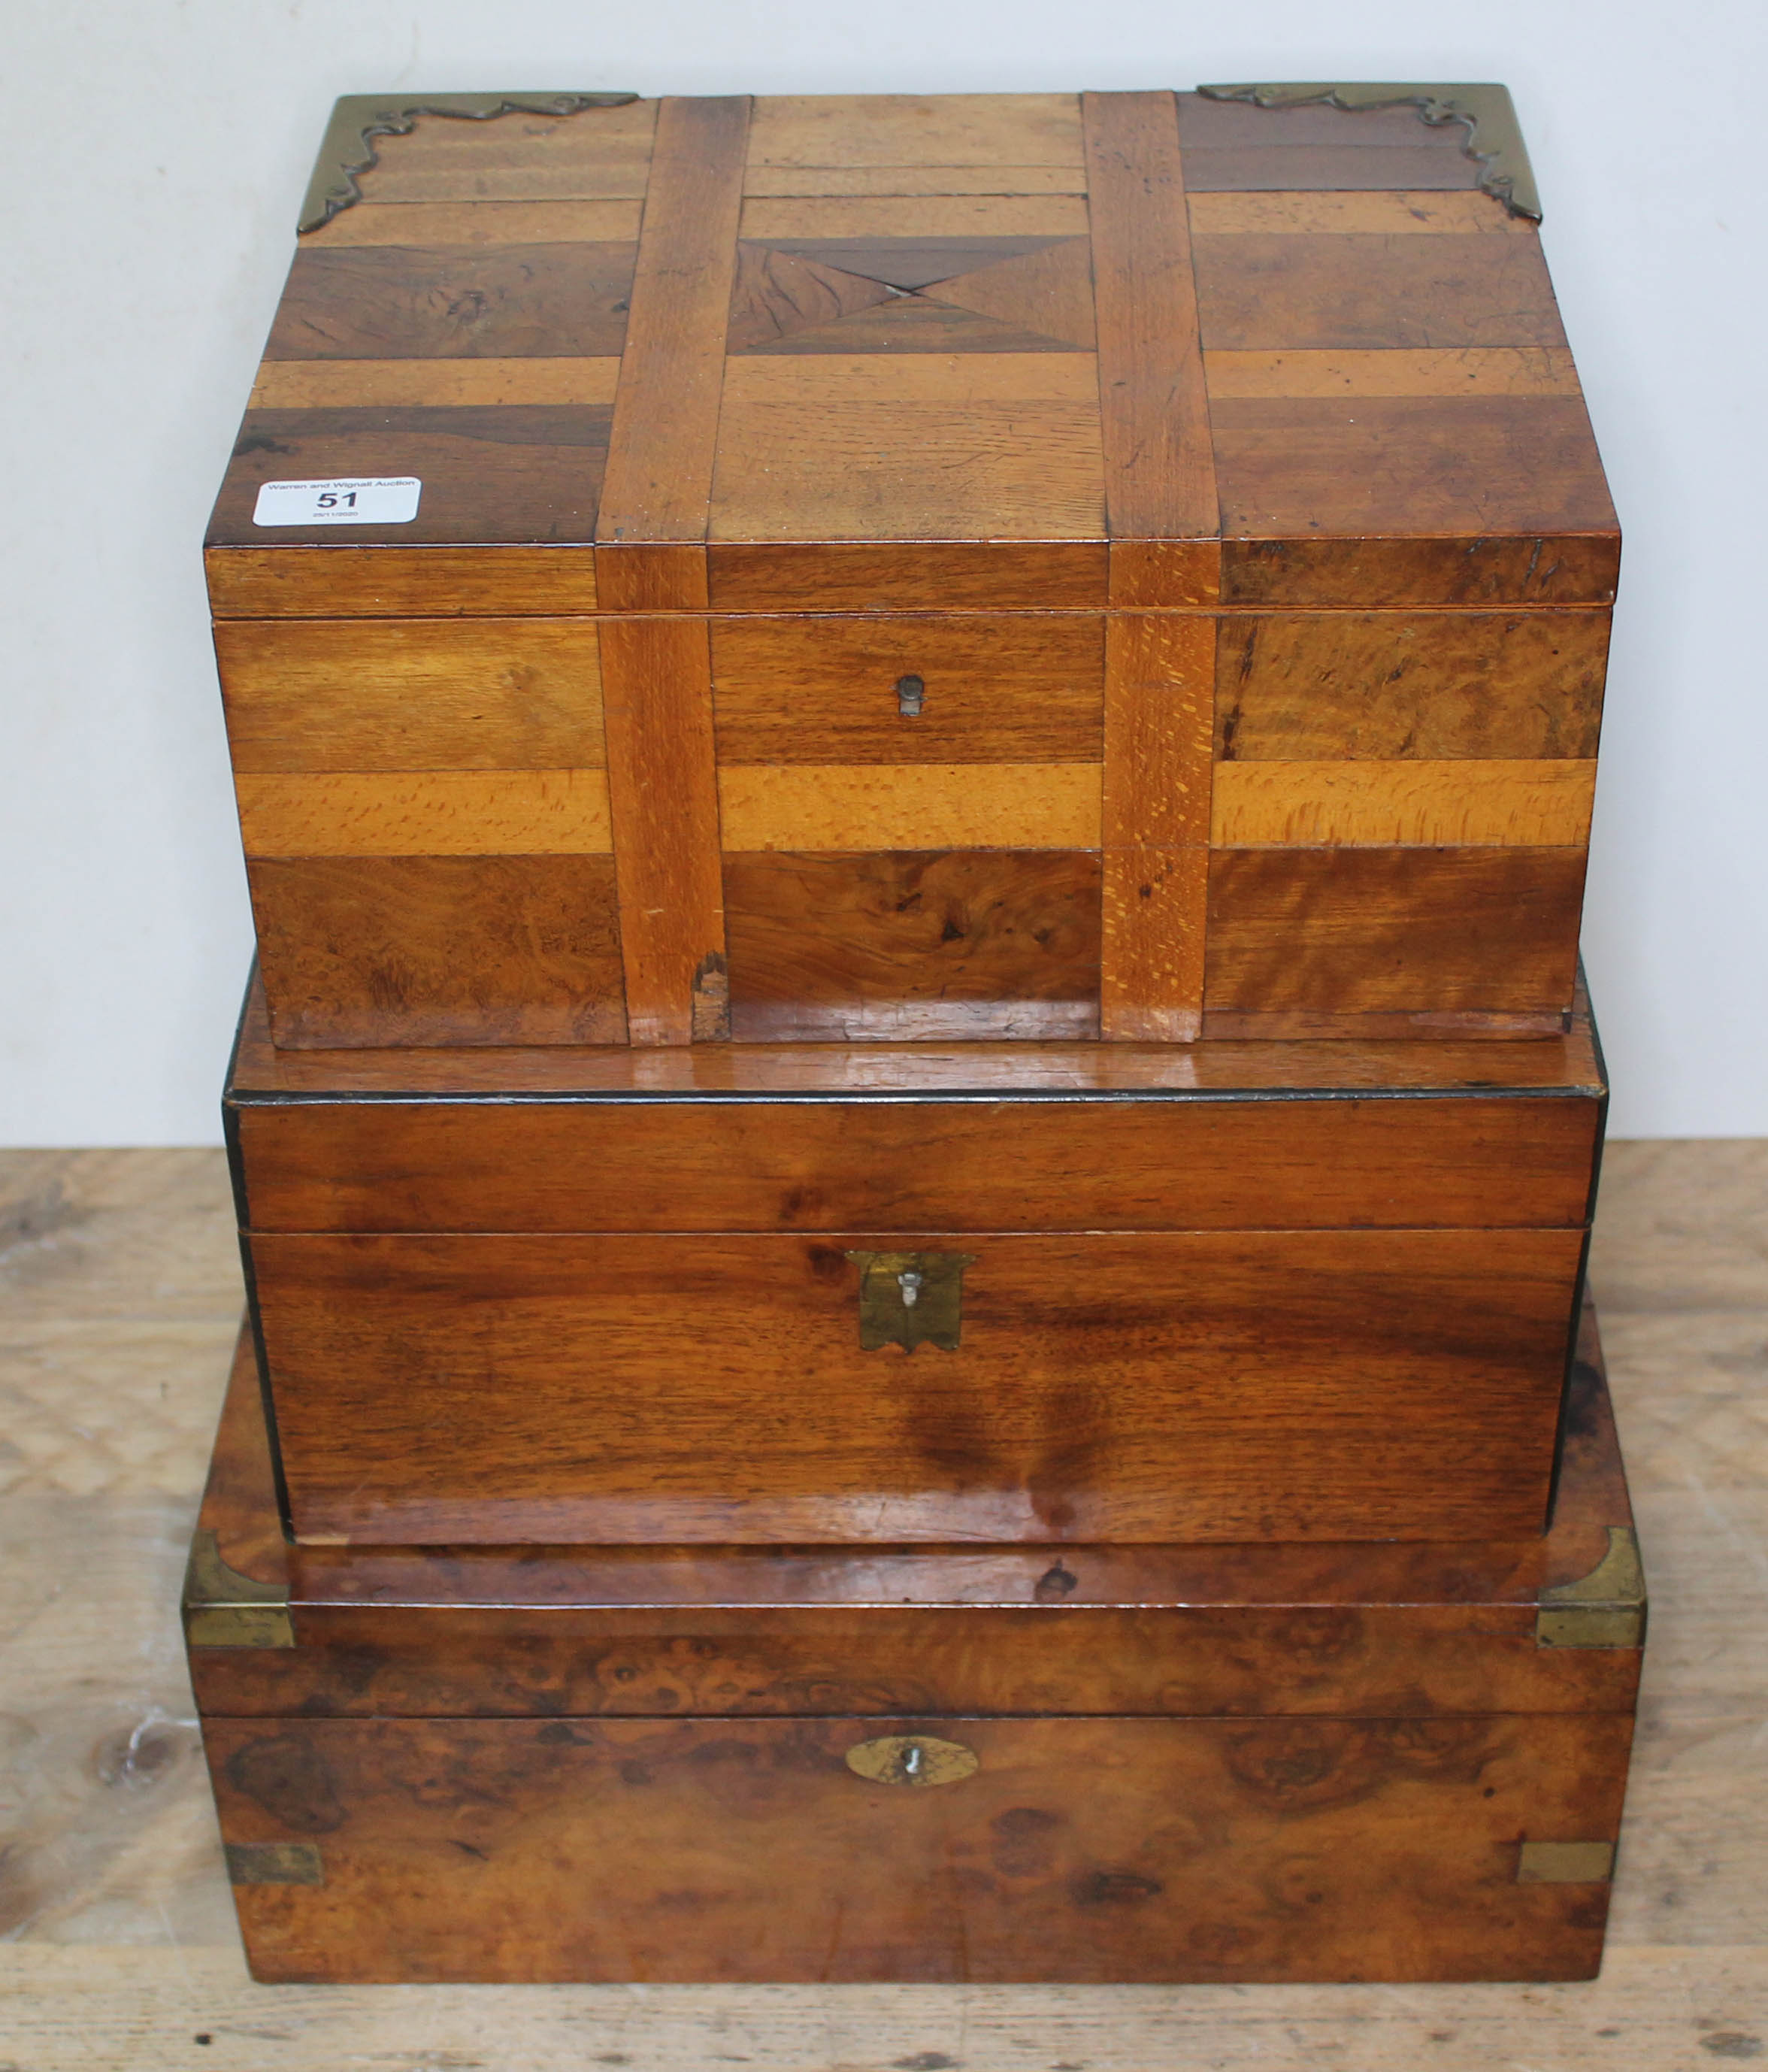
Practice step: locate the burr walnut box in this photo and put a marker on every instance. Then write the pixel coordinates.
(1156, 1763)
(1060, 566)
(1057, 1292)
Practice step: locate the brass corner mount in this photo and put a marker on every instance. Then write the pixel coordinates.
(357, 119)
(224, 1609)
(1495, 139)
(1604, 1608)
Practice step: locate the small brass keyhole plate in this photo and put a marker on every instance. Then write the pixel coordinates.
(910, 1298)
(919, 1760)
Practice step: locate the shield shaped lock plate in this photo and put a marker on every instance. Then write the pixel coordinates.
(910, 1298)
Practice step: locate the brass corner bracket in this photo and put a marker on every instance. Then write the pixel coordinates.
(273, 1863)
(223, 1609)
(1493, 136)
(1604, 1608)
(1565, 1863)
(357, 119)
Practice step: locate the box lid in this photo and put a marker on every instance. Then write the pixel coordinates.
(1002, 352)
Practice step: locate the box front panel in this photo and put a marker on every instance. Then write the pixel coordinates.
(864, 1387)
(1077, 1850)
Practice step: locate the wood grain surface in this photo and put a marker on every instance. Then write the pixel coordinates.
(1374, 1629)
(662, 798)
(978, 361)
(1476, 370)
(1362, 570)
(1375, 805)
(1559, 1058)
(666, 413)
(430, 812)
(122, 1303)
(1307, 1851)
(1159, 474)
(911, 944)
(412, 694)
(504, 475)
(1398, 686)
(1227, 1386)
(359, 583)
(504, 223)
(599, 154)
(439, 949)
(938, 575)
(1266, 290)
(993, 689)
(494, 1164)
(896, 130)
(910, 805)
(1159, 744)
(1345, 929)
(454, 302)
(1389, 214)
(321, 385)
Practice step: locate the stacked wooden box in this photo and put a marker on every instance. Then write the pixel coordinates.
(915, 1150)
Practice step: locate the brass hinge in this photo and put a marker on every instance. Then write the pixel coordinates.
(223, 1609)
(1495, 137)
(1604, 1608)
(910, 1298)
(1565, 1863)
(274, 1862)
(357, 119)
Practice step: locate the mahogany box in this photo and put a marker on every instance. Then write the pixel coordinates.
(1150, 1763)
(1124, 566)
(1018, 1292)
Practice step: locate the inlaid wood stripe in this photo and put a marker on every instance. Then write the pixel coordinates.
(838, 808)
(437, 812)
(1160, 469)
(1464, 371)
(916, 216)
(1396, 213)
(1159, 724)
(320, 384)
(1163, 517)
(481, 222)
(666, 409)
(957, 379)
(1379, 805)
(651, 554)
(824, 181)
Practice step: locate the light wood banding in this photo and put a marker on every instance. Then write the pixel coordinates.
(1380, 805)
(438, 812)
(915, 806)
(362, 384)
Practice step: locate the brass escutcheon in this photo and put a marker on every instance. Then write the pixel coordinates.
(910, 1298)
(919, 1760)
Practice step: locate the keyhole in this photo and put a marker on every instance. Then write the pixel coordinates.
(911, 1284)
(910, 692)
(911, 1760)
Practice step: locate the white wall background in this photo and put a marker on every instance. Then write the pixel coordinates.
(152, 157)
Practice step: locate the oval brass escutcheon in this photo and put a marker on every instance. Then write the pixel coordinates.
(917, 1759)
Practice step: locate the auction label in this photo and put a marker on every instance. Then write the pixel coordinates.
(362, 499)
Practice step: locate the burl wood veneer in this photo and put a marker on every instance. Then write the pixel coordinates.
(1042, 566)
(1056, 1293)
(1107, 1763)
